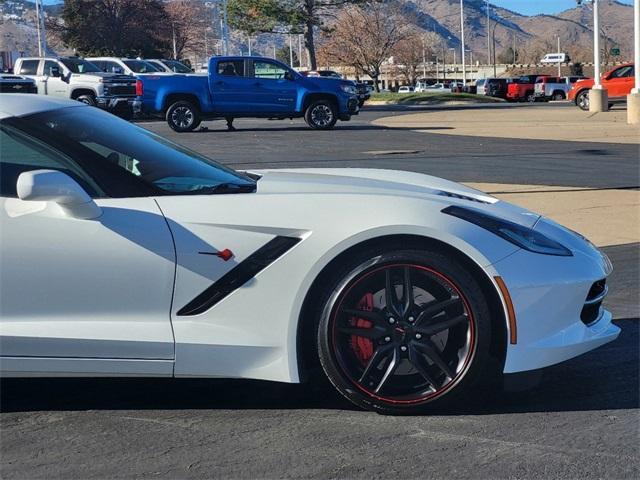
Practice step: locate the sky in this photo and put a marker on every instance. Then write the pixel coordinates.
(526, 7)
(534, 7)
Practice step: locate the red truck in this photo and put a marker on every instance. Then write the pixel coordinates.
(522, 89)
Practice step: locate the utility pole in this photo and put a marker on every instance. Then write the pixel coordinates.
(290, 51)
(464, 68)
(300, 50)
(173, 37)
(598, 98)
(513, 46)
(40, 28)
(488, 32)
(225, 29)
(633, 99)
(559, 72)
(424, 60)
(249, 44)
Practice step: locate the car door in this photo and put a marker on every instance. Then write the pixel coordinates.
(233, 91)
(80, 296)
(54, 84)
(274, 91)
(620, 82)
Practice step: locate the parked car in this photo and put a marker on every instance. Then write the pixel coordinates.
(169, 66)
(126, 66)
(79, 79)
(363, 90)
(492, 87)
(16, 84)
(247, 87)
(124, 254)
(618, 82)
(405, 89)
(555, 58)
(522, 89)
(436, 87)
(553, 88)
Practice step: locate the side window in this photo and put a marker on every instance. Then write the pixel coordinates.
(48, 65)
(28, 67)
(111, 67)
(623, 72)
(265, 69)
(20, 153)
(232, 68)
(99, 64)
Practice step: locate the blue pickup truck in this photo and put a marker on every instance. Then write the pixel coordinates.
(237, 87)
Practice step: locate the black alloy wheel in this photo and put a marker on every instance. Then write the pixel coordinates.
(321, 115)
(403, 329)
(183, 116)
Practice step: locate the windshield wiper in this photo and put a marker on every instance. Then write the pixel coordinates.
(224, 188)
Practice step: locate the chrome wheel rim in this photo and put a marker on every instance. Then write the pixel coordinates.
(322, 115)
(400, 347)
(583, 101)
(182, 117)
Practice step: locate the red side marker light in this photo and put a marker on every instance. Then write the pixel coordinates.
(225, 254)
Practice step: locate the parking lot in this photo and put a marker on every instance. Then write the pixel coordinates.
(579, 419)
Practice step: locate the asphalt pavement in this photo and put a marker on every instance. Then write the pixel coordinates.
(579, 419)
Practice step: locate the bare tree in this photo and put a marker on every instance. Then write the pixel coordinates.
(364, 37)
(187, 21)
(411, 51)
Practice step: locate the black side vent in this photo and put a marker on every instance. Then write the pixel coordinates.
(239, 275)
(591, 310)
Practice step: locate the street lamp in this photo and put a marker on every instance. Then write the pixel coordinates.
(633, 99)
(471, 63)
(464, 68)
(598, 98)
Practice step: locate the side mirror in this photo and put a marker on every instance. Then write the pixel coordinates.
(58, 187)
(55, 72)
(288, 75)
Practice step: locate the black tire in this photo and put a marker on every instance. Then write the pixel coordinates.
(87, 99)
(530, 97)
(582, 100)
(321, 115)
(361, 103)
(183, 116)
(404, 346)
(558, 96)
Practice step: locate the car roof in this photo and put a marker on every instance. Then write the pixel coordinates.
(20, 104)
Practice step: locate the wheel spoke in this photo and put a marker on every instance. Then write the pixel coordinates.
(417, 361)
(407, 290)
(435, 307)
(379, 355)
(390, 294)
(393, 364)
(372, 333)
(431, 351)
(440, 326)
(371, 315)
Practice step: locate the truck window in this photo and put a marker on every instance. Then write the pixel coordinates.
(28, 67)
(48, 66)
(231, 68)
(265, 69)
(78, 65)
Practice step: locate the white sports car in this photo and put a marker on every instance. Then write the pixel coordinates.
(123, 254)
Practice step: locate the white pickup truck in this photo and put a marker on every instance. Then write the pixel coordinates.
(78, 79)
(553, 88)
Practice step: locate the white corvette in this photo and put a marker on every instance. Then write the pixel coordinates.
(123, 254)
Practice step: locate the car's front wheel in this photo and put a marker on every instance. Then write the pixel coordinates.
(321, 115)
(183, 116)
(403, 329)
(87, 100)
(582, 100)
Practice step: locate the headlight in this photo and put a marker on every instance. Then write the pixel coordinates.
(350, 89)
(523, 237)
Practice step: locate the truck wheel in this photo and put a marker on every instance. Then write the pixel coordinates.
(183, 116)
(530, 97)
(582, 100)
(558, 96)
(321, 115)
(87, 99)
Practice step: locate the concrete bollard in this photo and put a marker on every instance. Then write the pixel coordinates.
(633, 108)
(598, 100)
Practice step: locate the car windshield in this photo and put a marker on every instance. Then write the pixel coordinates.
(140, 66)
(101, 138)
(176, 66)
(78, 65)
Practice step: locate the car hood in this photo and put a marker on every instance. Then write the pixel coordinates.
(360, 181)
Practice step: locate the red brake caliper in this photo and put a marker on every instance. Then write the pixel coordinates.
(363, 347)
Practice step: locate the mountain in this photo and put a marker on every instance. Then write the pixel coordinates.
(533, 36)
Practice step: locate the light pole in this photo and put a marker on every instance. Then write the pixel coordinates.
(633, 99)
(40, 29)
(454, 58)
(598, 98)
(424, 60)
(225, 29)
(470, 64)
(488, 38)
(290, 51)
(464, 68)
(559, 72)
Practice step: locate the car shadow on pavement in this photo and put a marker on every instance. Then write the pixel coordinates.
(297, 127)
(605, 379)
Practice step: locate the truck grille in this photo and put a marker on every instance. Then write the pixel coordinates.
(120, 90)
(591, 310)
